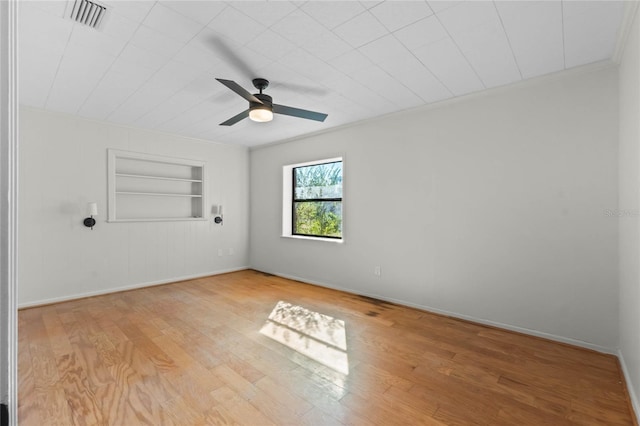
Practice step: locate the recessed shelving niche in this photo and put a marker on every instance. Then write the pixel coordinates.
(144, 187)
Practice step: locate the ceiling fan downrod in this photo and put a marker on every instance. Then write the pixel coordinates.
(260, 84)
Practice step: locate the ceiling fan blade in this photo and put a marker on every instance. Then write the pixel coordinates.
(232, 56)
(297, 112)
(233, 120)
(239, 90)
(299, 88)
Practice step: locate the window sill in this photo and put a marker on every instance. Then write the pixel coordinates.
(302, 237)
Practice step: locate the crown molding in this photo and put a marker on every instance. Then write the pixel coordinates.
(547, 78)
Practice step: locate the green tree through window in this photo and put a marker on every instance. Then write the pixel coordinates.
(317, 200)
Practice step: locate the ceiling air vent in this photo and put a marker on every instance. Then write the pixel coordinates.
(88, 12)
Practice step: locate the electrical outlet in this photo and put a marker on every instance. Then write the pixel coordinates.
(231, 252)
(220, 252)
(377, 271)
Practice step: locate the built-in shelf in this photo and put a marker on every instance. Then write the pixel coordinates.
(159, 219)
(145, 187)
(157, 177)
(158, 194)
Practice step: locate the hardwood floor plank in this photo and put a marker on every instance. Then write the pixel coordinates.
(244, 368)
(423, 405)
(242, 411)
(372, 377)
(524, 414)
(382, 412)
(43, 364)
(86, 352)
(146, 409)
(181, 412)
(317, 417)
(235, 382)
(220, 416)
(28, 410)
(598, 410)
(136, 368)
(191, 353)
(58, 337)
(53, 408)
(542, 399)
(114, 402)
(81, 398)
(282, 396)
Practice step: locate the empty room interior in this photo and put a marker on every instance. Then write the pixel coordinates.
(321, 212)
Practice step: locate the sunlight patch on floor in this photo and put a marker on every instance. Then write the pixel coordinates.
(315, 335)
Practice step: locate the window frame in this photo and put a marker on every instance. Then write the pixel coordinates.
(295, 200)
(288, 187)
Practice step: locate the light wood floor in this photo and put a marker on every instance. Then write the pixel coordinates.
(192, 353)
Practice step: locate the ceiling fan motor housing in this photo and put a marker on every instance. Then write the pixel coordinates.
(267, 101)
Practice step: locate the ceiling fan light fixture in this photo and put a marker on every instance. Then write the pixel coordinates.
(261, 114)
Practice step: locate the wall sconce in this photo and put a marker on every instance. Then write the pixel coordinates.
(90, 222)
(217, 214)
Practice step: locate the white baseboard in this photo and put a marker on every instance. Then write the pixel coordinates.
(125, 288)
(635, 404)
(536, 333)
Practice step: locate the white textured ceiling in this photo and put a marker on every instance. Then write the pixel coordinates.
(152, 64)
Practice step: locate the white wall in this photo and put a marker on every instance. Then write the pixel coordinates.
(63, 165)
(490, 208)
(629, 205)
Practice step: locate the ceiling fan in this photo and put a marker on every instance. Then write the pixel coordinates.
(261, 106)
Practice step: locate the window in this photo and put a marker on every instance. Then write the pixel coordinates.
(312, 202)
